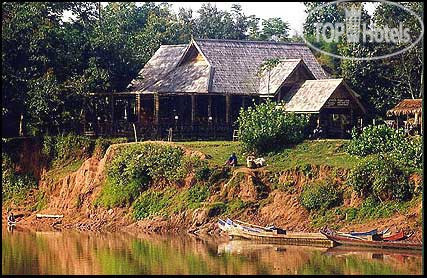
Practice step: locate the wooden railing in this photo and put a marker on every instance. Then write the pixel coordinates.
(161, 131)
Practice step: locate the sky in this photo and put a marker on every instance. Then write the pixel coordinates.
(291, 12)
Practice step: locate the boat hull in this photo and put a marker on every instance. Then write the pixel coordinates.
(377, 244)
(310, 239)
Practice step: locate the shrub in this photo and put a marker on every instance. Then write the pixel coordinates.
(197, 193)
(381, 176)
(374, 139)
(59, 149)
(151, 203)
(102, 144)
(264, 127)
(15, 186)
(131, 171)
(194, 164)
(409, 153)
(320, 195)
(383, 139)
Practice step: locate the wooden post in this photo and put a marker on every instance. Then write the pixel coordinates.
(209, 106)
(227, 108)
(193, 112)
(138, 108)
(112, 115)
(156, 109)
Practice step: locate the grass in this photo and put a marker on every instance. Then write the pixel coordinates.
(368, 210)
(319, 152)
(219, 151)
(58, 173)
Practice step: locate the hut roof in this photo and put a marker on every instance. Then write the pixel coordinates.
(311, 96)
(407, 106)
(270, 82)
(236, 62)
(233, 67)
(163, 60)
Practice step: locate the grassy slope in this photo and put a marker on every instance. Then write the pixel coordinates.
(321, 152)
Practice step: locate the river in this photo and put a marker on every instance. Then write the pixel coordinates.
(73, 252)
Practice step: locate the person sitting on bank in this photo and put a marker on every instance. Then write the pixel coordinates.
(11, 218)
(232, 161)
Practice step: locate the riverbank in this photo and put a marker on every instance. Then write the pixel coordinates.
(269, 195)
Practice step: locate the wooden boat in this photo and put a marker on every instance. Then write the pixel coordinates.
(344, 240)
(272, 234)
(369, 233)
(399, 236)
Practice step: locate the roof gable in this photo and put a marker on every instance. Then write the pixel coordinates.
(161, 63)
(311, 95)
(237, 62)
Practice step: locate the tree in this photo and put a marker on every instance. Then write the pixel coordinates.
(275, 29)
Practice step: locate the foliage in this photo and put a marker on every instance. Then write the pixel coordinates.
(384, 139)
(14, 185)
(197, 193)
(151, 203)
(320, 195)
(265, 127)
(382, 177)
(135, 166)
(114, 194)
(63, 148)
(102, 144)
(200, 167)
(375, 139)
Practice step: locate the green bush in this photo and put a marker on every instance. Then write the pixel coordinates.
(374, 139)
(14, 186)
(384, 139)
(264, 127)
(194, 164)
(196, 194)
(320, 195)
(102, 144)
(134, 166)
(62, 148)
(381, 176)
(151, 203)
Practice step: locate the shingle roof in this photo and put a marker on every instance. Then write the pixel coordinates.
(189, 77)
(236, 62)
(311, 95)
(407, 106)
(234, 66)
(165, 59)
(277, 76)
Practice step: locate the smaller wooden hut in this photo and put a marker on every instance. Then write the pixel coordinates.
(408, 111)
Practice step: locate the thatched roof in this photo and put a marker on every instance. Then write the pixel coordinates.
(312, 95)
(270, 82)
(236, 63)
(160, 64)
(232, 67)
(407, 106)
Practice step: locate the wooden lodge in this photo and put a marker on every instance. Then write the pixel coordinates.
(196, 91)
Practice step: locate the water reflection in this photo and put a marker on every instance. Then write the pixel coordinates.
(26, 252)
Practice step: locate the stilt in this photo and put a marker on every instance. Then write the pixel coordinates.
(227, 109)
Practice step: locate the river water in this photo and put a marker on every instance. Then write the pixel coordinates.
(71, 252)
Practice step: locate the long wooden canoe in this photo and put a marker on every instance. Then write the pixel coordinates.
(272, 234)
(339, 239)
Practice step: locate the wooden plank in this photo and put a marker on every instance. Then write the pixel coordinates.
(49, 215)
